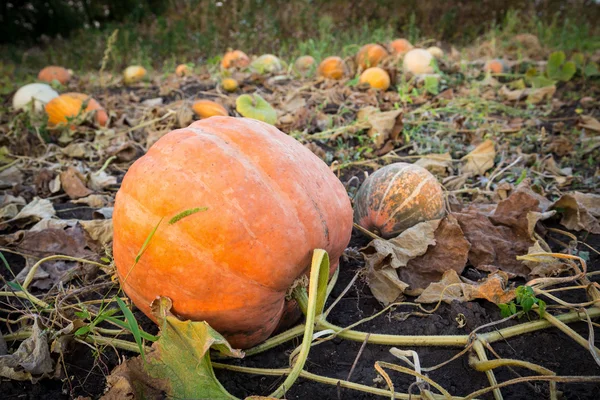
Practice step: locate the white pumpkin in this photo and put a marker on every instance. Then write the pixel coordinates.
(418, 61)
(39, 93)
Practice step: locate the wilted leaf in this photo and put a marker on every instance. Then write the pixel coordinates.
(575, 214)
(72, 182)
(384, 126)
(32, 359)
(37, 209)
(543, 266)
(100, 230)
(451, 288)
(536, 96)
(450, 251)
(437, 164)
(10, 177)
(178, 366)
(480, 159)
(588, 122)
(384, 257)
(99, 180)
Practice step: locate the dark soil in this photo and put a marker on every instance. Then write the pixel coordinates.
(550, 348)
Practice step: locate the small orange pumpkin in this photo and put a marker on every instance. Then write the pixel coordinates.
(230, 84)
(304, 64)
(400, 46)
(183, 70)
(208, 108)
(376, 77)
(396, 197)
(48, 74)
(269, 202)
(235, 58)
(370, 55)
(69, 105)
(332, 68)
(495, 66)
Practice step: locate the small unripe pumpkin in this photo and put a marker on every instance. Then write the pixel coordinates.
(50, 73)
(230, 84)
(235, 58)
(254, 106)
(304, 65)
(183, 70)
(370, 55)
(418, 61)
(69, 105)
(268, 202)
(134, 74)
(400, 46)
(38, 93)
(495, 66)
(396, 197)
(208, 108)
(267, 63)
(332, 68)
(436, 52)
(376, 77)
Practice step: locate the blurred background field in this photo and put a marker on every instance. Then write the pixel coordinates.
(159, 34)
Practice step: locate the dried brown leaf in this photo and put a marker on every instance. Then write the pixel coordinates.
(480, 159)
(575, 214)
(73, 183)
(384, 126)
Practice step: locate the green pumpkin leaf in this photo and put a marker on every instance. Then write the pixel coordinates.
(554, 62)
(527, 303)
(254, 106)
(567, 71)
(179, 365)
(541, 81)
(432, 84)
(578, 59)
(591, 70)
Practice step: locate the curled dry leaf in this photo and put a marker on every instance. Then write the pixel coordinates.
(10, 177)
(439, 165)
(450, 251)
(499, 238)
(167, 369)
(450, 288)
(480, 159)
(383, 126)
(589, 123)
(384, 257)
(543, 266)
(37, 209)
(32, 359)
(73, 183)
(579, 211)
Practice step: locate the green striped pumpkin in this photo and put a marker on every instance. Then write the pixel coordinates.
(396, 197)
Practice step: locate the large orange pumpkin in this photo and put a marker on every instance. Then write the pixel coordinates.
(48, 74)
(235, 58)
(69, 105)
(269, 203)
(209, 108)
(396, 197)
(370, 55)
(332, 68)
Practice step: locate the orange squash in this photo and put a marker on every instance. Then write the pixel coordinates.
(268, 203)
(229, 84)
(235, 58)
(400, 46)
(183, 70)
(208, 108)
(48, 74)
(304, 65)
(396, 197)
(69, 105)
(495, 66)
(134, 74)
(376, 77)
(332, 68)
(370, 55)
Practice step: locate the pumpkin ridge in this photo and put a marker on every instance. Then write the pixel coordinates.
(387, 189)
(198, 245)
(416, 191)
(266, 178)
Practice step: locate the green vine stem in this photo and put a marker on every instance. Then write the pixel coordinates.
(319, 275)
(480, 350)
